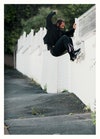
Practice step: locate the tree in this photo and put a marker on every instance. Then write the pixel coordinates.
(13, 13)
(38, 20)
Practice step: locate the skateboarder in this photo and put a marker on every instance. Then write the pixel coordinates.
(58, 40)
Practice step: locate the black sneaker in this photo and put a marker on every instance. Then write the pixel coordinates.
(77, 51)
(72, 58)
(73, 55)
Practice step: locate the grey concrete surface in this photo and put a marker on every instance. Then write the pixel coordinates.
(30, 110)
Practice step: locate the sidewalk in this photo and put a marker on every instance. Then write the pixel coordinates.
(29, 110)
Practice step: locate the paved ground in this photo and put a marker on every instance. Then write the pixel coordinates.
(30, 110)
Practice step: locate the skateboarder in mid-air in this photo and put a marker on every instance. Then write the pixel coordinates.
(58, 40)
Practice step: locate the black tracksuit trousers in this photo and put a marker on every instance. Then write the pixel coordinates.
(62, 46)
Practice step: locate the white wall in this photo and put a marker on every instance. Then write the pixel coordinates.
(83, 74)
(59, 73)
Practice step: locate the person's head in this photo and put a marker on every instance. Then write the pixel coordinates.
(60, 23)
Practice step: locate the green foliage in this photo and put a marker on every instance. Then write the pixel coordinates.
(24, 17)
(38, 21)
(13, 13)
(93, 116)
(65, 91)
(38, 112)
(87, 109)
(35, 111)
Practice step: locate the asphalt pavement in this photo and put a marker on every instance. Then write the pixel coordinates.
(30, 110)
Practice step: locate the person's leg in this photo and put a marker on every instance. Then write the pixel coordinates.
(59, 48)
(68, 43)
(62, 46)
(72, 48)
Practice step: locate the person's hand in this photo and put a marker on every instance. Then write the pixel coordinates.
(56, 11)
(74, 26)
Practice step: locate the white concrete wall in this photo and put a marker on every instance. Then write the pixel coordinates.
(57, 74)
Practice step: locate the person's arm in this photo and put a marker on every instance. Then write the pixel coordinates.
(70, 33)
(49, 19)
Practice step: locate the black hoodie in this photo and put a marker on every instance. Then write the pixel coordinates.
(54, 32)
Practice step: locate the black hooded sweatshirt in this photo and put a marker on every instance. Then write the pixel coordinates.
(54, 32)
